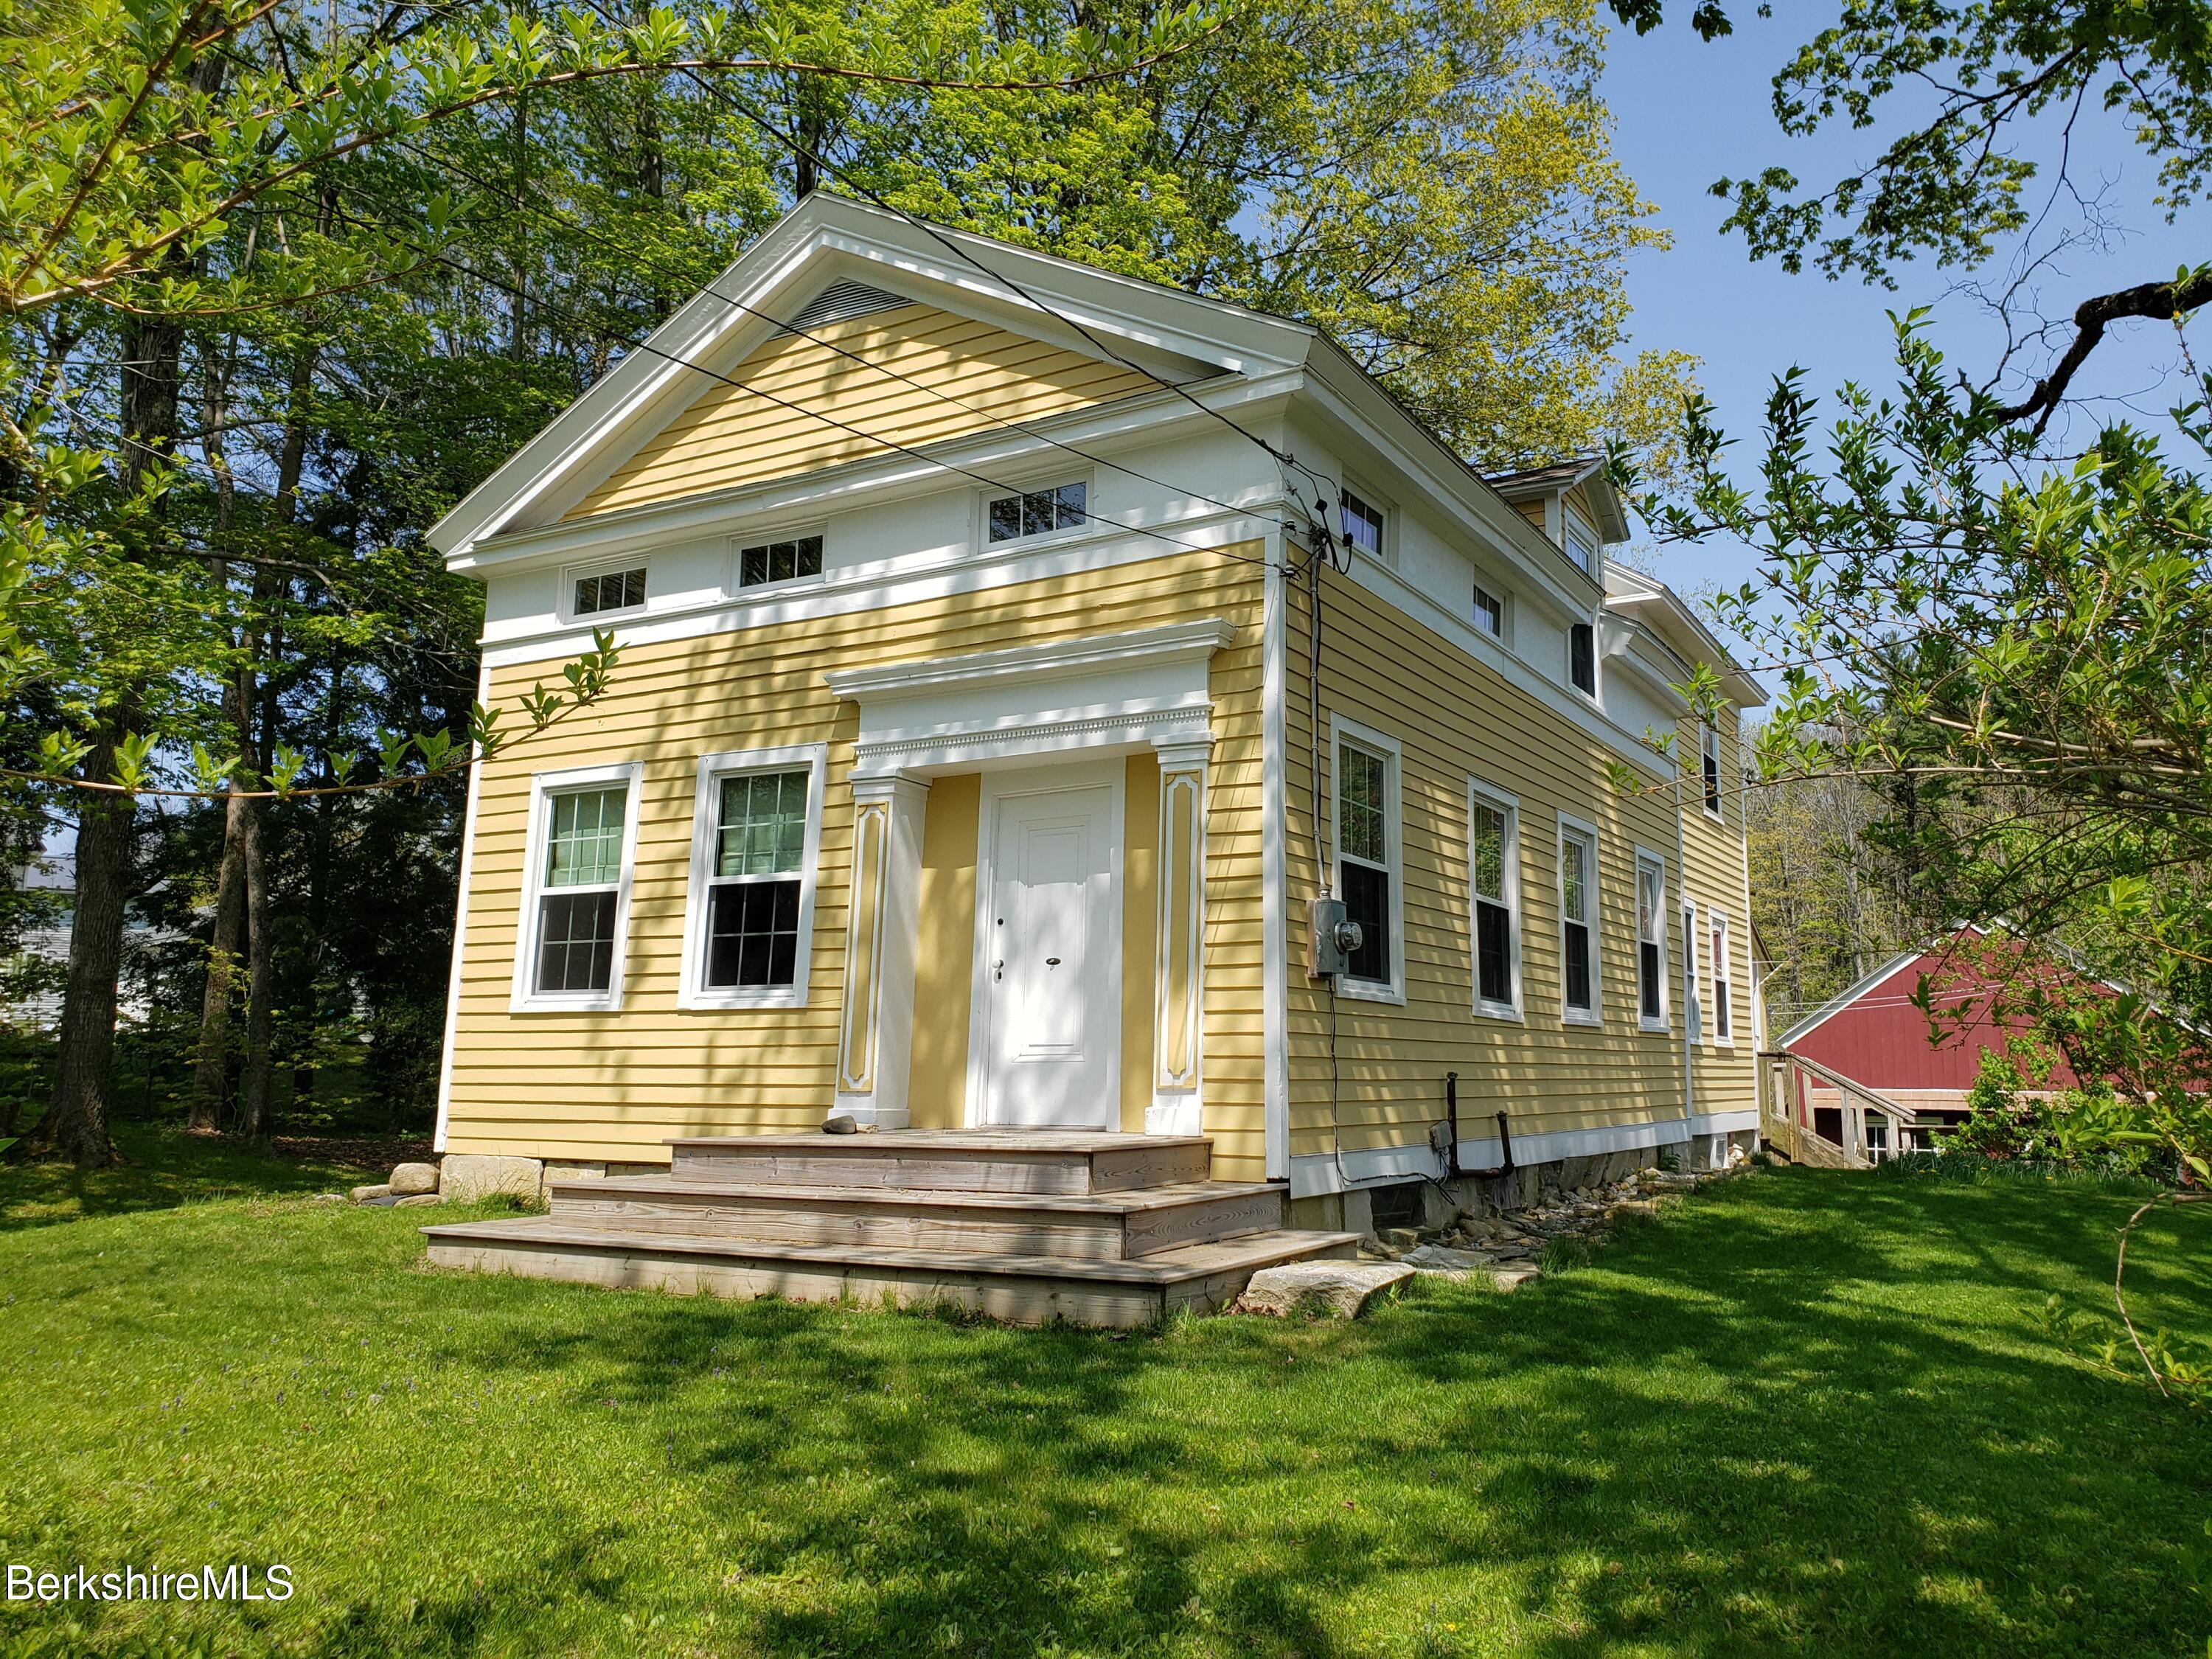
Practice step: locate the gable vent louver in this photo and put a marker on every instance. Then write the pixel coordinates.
(840, 301)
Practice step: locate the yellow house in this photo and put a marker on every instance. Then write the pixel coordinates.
(1024, 671)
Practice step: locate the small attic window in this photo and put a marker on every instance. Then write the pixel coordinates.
(1581, 544)
(840, 301)
(609, 590)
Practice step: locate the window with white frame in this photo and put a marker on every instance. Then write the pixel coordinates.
(1361, 523)
(1582, 543)
(1489, 613)
(1651, 942)
(792, 558)
(755, 841)
(576, 900)
(1710, 743)
(1494, 885)
(1367, 857)
(1693, 1002)
(603, 590)
(1582, 658)
(1579, 896)
(1723, 1019)
(1039, 511)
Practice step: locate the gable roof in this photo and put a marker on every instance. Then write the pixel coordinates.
(1589, 472)
(1670, 617)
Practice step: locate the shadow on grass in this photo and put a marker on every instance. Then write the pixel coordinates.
(165, 1167)
(1817, 1413)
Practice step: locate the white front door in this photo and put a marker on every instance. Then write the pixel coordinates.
(1049, 948)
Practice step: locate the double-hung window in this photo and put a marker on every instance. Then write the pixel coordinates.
(1693, 1001)
(576, 899)
(1494, 885)
(1709, 747)
(1723, 1019)
(1039, 511)
(755, 839)
(1651, 941)
(1579, 898)
(1582, 543)
(1367, 855)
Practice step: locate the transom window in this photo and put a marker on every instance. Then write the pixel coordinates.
(1710, 743)
(1578, 923)
(1361, 523)
(784, 561)
(1040, 512)
(755, 880)
(580, 891)
(1651, 942)
(1493, 849)
(1489, 613)
(610, 590)
(1363, 855)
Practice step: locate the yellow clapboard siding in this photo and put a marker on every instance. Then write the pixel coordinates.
(619, 1084)
(794, 400)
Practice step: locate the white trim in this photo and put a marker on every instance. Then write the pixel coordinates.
(1716, 965)
(461, 926)
(1042, 780)
(1177, 1105)
(1313, 1173)
(1593, 901)
(526, 998)
(693, 992)
(1721, 1123)
(1664, 1022)
(1389, 750)
(1274, 876)
(1175, 643)
(1479, 791)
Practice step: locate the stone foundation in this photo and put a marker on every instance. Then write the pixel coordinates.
(465, 1177)
(1530, 1185)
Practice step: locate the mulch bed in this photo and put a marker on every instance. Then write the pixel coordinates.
(367, 1153)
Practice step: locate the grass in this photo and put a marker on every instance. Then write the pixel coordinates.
(1802, 1412)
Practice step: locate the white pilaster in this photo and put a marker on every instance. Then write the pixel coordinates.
(882, 941)
(1178, 994)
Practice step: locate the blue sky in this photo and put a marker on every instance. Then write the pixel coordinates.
(1689, 112)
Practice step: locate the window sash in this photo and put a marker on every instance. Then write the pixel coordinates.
(1651, 942)
(752, 933)
(609, 590)
(767, 835)
(584, 837)
(1577, 957)
(1582, 657)
(1711, 745)
(1039, 511)
(1723, 1027)
(791, 559)
(1367, 902)
(1360, 524)
(1363, 806)
(1578, 868)
(1489, 613)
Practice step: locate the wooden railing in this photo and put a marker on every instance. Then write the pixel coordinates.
(1789, 1120)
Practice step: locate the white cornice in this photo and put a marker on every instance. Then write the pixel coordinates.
(1055, 659)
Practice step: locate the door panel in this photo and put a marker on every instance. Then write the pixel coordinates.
(1053, 988)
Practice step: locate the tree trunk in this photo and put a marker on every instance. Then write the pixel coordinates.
(76, 1123)
(226, 953)
(253, 1113)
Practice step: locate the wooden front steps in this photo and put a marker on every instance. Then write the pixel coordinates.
(1027, 1226)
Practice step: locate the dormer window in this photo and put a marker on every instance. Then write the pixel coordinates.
(610, 590)
(1361, 524)
(1040, 512)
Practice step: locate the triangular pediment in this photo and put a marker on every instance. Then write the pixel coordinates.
(890, 380)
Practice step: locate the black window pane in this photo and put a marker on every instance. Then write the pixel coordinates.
(1578, 980)
(1036, 512)
(1007, 519)
(633, 588)
(1582, 657)
(756, 567)
(810, 555)
(1068, 505)
(1367, 902)
(1648, 973)
(752, 933)
(575, 941)
(1493, 953)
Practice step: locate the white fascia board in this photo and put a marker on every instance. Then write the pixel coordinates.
(1850, 994)
(1358, 409)
(1052, 659)
(1663, 610)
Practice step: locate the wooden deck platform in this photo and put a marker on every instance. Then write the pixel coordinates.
(1026, 1226)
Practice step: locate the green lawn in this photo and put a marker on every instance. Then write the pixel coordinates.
(1801, 1412)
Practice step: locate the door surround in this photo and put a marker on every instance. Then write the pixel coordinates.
(1000, 784)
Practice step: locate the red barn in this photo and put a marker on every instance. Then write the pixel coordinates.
(1864, 1073)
